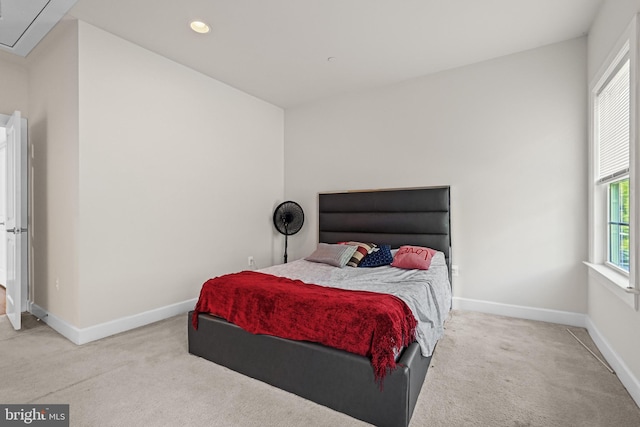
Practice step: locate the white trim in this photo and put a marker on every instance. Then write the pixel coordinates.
(521, 312)
(92, 333)
(613, 281)
(68, 331)
(597, 212)
(623, 372)
(103, 330)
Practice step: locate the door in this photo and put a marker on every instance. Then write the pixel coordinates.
(3, 189)
(16, 218)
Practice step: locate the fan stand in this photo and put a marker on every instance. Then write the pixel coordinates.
(286, 235)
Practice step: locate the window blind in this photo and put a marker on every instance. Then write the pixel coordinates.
(613, 125)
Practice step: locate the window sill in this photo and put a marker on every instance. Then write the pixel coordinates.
(614, 281)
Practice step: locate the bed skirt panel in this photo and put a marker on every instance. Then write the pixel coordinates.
(334, 378)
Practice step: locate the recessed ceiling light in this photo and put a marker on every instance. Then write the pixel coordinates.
(200, 27)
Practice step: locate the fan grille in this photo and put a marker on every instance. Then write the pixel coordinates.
(288, 218)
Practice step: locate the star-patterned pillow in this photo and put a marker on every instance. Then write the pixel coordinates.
(381, 255)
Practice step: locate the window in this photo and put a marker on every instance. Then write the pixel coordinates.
(618, 248)
(613, 194)
(611, 137)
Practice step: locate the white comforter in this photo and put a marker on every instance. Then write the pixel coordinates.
(426, 292)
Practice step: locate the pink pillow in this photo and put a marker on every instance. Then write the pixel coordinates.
(413, 257)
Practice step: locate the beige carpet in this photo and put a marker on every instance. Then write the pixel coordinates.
(487, 371)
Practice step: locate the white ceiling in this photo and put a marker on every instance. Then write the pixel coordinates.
(277, 50)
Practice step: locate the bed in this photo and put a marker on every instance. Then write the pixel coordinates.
(335, 378)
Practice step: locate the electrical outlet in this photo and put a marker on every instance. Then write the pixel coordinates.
(455, 270)
(57, 284)
(251, 262)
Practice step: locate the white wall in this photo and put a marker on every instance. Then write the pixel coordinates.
(53, 133)
(618, 323)
(13, 85)
(509, 136)
(178, 175)
(149, 178)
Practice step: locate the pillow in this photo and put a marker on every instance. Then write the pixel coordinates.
(413, 257)
(336, 255)
(362, 249)
(381, 255)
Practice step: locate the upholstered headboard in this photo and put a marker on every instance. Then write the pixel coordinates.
(415, 216)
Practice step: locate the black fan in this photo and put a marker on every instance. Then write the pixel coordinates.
(288, 219)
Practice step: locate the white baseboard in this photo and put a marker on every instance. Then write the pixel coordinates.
(68, 331)
(84, 335)
(621, 369)
(522, 312)
(625, 375)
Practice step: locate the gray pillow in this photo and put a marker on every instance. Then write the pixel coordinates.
(336, 255)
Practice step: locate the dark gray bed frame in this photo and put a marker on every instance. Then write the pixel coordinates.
(334, 378)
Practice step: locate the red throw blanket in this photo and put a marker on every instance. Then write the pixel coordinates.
(365, 323)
